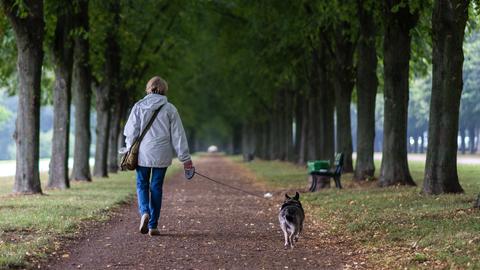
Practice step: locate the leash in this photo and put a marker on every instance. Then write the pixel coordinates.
(229, 186)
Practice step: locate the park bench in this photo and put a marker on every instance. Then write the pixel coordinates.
(321, 174)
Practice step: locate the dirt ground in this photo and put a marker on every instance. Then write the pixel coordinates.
(207, 226)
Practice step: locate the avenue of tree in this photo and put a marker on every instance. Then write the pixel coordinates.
(274, 79)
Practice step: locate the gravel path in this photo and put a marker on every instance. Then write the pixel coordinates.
(206, 226)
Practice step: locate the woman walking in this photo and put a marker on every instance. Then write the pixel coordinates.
(156, 149)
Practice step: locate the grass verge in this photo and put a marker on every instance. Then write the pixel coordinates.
(395, 227)
(31, 226)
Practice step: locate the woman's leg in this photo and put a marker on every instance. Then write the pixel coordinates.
(156, 188)
(143, 178)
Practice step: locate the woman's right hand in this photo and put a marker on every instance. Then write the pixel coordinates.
(189, 169)
(187, 165)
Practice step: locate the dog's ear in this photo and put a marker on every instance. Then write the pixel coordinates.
(297, 196)
(286, 196)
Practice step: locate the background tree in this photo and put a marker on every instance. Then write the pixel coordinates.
(106, 39)
(61, 51)
(469, 106)
(398, 22)
(26, 19)
(81, 86)
(448, 23)
(367, 84)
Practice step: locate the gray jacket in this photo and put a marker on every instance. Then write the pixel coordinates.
(165, 135)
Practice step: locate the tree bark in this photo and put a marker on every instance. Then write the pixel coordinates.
(288, 139)
(396, 51)
(114, 132)
(313, 123)
(367, 84)
(303, 130)
(29, 33)
(62, 55)
(463, 146)
(298, 126)
(103, 124)
(344, 83)
(116, 139)
(329, 122)
(81, 96)
(448, 20)
(471, 142)
(422, 143)
(327, 108)
(108, 93)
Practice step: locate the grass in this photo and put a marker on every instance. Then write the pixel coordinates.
(396, 226)
(33, 225)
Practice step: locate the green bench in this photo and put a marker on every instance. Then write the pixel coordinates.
(321, 169)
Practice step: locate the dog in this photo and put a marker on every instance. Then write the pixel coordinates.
(291, 219)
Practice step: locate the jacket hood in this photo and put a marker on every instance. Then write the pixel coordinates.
(152, 101)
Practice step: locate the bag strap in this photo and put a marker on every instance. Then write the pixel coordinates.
(149, 124)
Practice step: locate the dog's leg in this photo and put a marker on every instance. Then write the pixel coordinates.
(297, 234)
(285, 235)
(291, 237)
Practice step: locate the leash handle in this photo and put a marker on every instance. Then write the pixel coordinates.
(190, 173)
(229, 186)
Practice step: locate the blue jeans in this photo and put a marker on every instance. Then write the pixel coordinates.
(150, 202)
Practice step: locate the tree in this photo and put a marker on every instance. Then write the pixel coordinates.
(107, 85)
(27, 22)
(398, 22)
(367, 84)
(81, 93)
(448, 27)
(469, 106)
(61, 51)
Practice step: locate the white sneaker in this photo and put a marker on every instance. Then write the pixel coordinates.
(153, 232)
(144, 223)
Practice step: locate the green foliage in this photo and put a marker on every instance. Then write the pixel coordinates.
(8, 57)
(5, 114)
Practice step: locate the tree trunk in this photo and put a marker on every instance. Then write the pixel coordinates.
(448, 20)
(81, 97)
(29, 32)
(477, 141)
(108, 92)
(313, 122)
(326, 108)
(471, 142)
(415, 144)
(116, 139)
(344, 83)
(272, 134)
(289, 145)
(266, 139)
(62, 55)
(113, 134)
(463, 146)
(396, 56)
(422, 143)
(303, 130)
(103, 124)
(327, 96)
(367, 84)
(298, 126)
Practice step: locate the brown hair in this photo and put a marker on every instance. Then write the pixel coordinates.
(157, 85)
